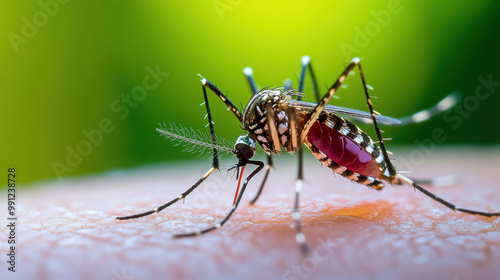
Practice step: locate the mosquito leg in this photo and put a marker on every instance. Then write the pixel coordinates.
(182, 196)
(390, 167)
(251, 81)
(253, 87)
(326, 98)
(206, 83)
(441, 181)
(215, 155)
(418, 117)
(268, 168)
(306, 60)
(306, 65)
(443, 105)
(299, 235)
(287, 84)
(260, 165)
(215, 166)
(442, 201)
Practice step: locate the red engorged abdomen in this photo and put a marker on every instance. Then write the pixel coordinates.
(343, 150)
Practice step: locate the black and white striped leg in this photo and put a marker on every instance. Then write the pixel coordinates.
(269, 165)
(206, 83)
(215, 166)
(180, 197)
(390, 167)
(251, 81)
(299, 234)
(307, 65)
(260, 165)
(215, 154)
(446, 103)
(254, 88)
(313, 117)
(443, 105)
(441, 181)
(287, 84)
(442, 201)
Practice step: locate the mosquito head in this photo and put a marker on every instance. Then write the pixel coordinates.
(244, 147)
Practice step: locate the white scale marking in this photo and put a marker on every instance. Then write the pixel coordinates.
(283, 140)
(281, 115)
(300, 237)
(369, 148)
(340, 169)
(369, 180)
(262, 139)
(253, 126)
(296, 215)
(259, 111)
(353, 177)
(282, 128)
(421, 116)
(345, 130)
(386, 173)
(359, 139)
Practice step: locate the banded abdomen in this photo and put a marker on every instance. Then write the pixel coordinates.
(344, 148)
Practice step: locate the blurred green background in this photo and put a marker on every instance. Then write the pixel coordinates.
(68, 67)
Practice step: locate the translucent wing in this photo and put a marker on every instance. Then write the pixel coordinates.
(356, 115)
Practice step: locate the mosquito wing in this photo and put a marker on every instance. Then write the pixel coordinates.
(355, 115)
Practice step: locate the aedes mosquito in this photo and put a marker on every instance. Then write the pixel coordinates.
(277, 118)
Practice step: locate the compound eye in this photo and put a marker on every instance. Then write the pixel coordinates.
(244, 150)
(245, 146)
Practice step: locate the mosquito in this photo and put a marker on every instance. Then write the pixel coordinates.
(278, 119)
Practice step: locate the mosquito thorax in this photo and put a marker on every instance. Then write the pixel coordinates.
(255, 111)
(269, 103)
(245, 147)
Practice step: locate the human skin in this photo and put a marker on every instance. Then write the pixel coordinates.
(67, 230)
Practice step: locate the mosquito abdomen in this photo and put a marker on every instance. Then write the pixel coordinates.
(343, 150)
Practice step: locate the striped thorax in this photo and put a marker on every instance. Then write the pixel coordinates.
(267, 121)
